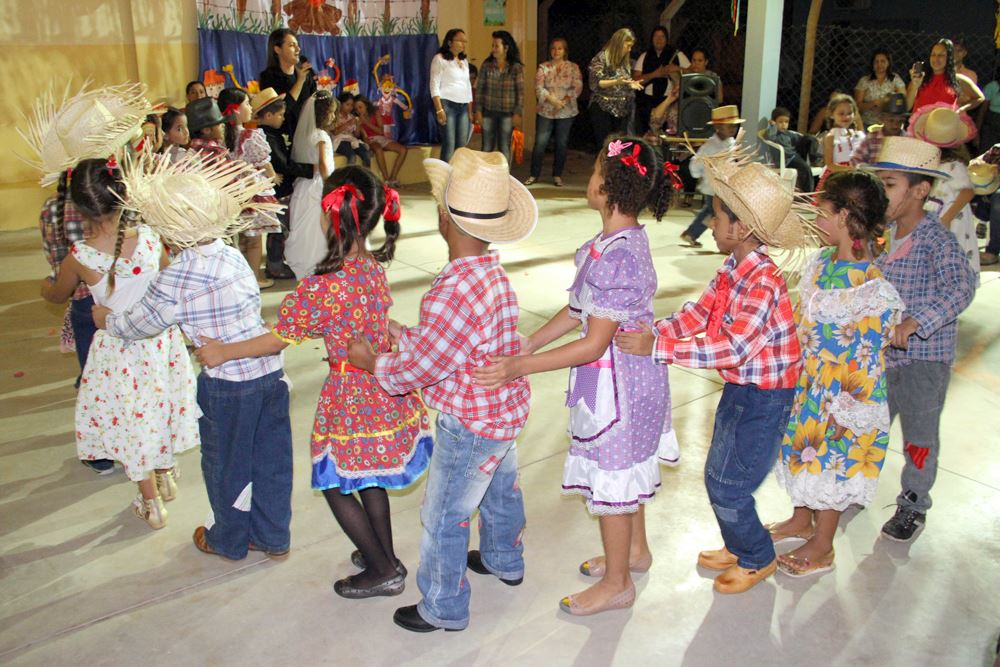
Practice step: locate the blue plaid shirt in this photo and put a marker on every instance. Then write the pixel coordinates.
(209, 291)
(929, 270)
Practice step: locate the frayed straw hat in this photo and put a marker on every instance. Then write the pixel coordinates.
(197, 198)
(91, 124)
(985, 178)
(941, 125)
(480, 195)
(909, 155)
(760, 200)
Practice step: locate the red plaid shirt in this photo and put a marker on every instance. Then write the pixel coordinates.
(56, 243)
(469, 312)
(754, 342)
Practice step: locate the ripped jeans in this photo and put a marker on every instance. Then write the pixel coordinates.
(467, 471)
(749, 425)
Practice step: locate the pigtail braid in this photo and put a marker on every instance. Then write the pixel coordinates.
(118, 251)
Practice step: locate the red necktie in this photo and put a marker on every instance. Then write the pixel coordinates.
(723, 284)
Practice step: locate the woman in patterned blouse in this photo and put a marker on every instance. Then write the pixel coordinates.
(612, 89)
(558, 83)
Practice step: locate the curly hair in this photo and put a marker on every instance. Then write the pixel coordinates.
(862, 195)
(629, 189)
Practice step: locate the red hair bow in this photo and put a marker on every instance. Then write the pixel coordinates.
(392, 211)
(233, 110)
(670, 171)
(111, 165)
(332, 202)
(632, 160)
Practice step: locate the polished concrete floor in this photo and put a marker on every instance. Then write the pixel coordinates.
(84, 581)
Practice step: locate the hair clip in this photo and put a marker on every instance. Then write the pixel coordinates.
(392, 211)
(111, 165)
(617, 146)
(333, 200)
(670, 170)
(632, 161)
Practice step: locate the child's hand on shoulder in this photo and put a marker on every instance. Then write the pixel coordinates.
(360, 353)
(499, 372)
(638, 342)
(211, 352)
(100, 314)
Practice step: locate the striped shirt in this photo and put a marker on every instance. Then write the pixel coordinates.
(469, 312)
(754, 341)
(209, 291)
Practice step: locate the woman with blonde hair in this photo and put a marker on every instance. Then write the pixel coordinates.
(612, 89)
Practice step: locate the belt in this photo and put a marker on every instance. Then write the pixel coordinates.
(344, 367)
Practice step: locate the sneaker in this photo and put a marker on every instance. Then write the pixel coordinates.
(903, 524)
(101, 466)
(988, 258)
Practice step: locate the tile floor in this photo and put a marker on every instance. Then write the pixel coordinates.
(82, 580)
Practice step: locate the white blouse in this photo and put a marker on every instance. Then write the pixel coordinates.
(450, 80)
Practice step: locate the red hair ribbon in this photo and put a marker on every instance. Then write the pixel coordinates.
(111, 165)
(334, 199)
(392, 211)
(632, 161)
(670, 170)
(233, 110)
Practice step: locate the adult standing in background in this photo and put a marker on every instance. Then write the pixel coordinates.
(873, 89)
(937, 81)
(451, 91)
(960, 68)
(287, 75)
(500, 94)
(654, 70)
(558, 83)
(612, 88)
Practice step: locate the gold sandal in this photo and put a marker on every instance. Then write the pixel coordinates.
(801, 566)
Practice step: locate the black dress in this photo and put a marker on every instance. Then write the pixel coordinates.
(273, 77)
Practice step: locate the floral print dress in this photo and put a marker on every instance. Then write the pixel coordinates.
(845, 316)
(362, 437)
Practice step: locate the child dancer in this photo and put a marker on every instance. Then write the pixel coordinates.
(380, 140)
(617, 401)
(136, 403)
(307, 242)
(363, 439)
(926, 265)
(176, 135)
(835, 443)
(842, 139)
(469, 314)
(749, 336)
(250, 146)
(208, 290)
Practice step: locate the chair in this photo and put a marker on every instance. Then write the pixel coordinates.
(787, 175)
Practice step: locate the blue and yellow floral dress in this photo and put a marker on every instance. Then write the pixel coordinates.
(845, 316)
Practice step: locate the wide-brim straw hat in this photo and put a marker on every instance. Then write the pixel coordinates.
(942, 125)
(263, 98)
(195, 199)
(985, 178)
(728, 114)
(480, 195)
(92, 124)
(760, 200)
(909, 155)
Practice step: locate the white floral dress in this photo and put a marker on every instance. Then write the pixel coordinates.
(963, 225)
(136, 403)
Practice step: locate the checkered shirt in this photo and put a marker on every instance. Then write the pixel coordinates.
(500, 91)
(469, 312)
(936, 282)
(756, 343)
(55, 245)
(209, 291)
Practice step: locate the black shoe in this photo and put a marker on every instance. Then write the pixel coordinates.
(346, 588)
(101, 466)
(903, 524)
(359, 562)
(475, 563)
(410, 619)
(279, 273)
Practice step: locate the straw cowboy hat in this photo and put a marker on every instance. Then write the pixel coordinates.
(482, 197)
(909, 155)
(985, 178)
(263, 98)
(941, 125)
(726, 115)
(760, 200)
(195, 199)
(91, 124)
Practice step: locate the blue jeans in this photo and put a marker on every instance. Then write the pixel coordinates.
(698, 226)
(81, 320)
(351, 153)
(543, 132)
(467, 471)
(455, 133)
(497, 130)
(246, 437)
(749, 425)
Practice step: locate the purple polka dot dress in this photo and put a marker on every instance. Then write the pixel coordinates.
(619, 404)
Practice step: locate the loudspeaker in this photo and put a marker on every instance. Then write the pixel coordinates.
(694, 110)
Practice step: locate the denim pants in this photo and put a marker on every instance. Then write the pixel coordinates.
(993, 245)
(344, 148)
(543, 132)
(467, 471)
(455, 133)
(916, 393)
(698, 226)
(497, 130)
(81, 319)
(246, 438)
(749, 425)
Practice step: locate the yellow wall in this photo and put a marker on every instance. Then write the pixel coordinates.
(52, 42)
